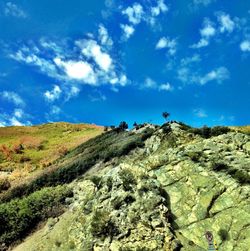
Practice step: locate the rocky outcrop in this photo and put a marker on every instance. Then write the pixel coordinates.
(164, 196)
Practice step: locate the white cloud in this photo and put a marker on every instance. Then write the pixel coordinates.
(54, 94)
(150, 83)
(74, 91)
(207, 32)
(190, 60)
(88, 62)
(220, 74)
(134, 13)
(2, 124)
(168, 44)
(200, 113)
(78, 70)
(226, 23)
(12, 97)
(15, 122)
(55, 110)
(104, 36)
(191, 76)
(16, 118)
(18, 113)
(128, 30)
(165, 87)
(245, 46)
(97, 96)
(13, 10)
(161, 7)
(92, 50)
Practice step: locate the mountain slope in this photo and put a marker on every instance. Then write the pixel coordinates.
(26, 150)
(161, 196)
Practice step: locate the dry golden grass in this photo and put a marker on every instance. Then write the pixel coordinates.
(28, 149)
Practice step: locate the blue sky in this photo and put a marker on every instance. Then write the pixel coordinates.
(106, 61)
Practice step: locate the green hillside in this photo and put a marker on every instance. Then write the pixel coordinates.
(26, 150)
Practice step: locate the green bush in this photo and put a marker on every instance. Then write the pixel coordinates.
(207, 132)
(102, 225)
(4, 184)
(241, 176)
(128, 179)
(19, 216)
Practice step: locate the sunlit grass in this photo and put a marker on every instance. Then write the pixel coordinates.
(41, 145)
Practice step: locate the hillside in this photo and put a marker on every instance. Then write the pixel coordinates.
(26, 150)
(152, 188)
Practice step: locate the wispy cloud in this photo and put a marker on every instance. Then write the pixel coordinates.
(245, 46)
(54, 94)
(200, 113)
(219, 75)
(167, 43)
(166, 87)
(207, 32)
(152, 84)
(138, 13)
(104, 37)
(97, 96)
(190, 76)
(128, 30)
(11, 9)
(12, 97)
(226, 23)
(134, 13)
(16, 118)
(90, 60)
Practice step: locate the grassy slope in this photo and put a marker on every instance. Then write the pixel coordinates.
(244, 129)
(19, 203)
(45, 142)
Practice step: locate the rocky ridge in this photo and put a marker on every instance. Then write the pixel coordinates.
(163, 196)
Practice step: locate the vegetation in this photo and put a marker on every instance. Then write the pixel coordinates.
(102, 225)
(241, 175)
(208, 132)
(165, 115)
(101, 148)
(128, 179)
(26, 149)
(19, 216)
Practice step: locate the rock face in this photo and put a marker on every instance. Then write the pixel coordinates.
(162, 197)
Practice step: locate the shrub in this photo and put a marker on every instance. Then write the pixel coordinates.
(97, 180)
(166, 128)
(19, 216)
(194, 156)
(4, 184)
(128, 179)
(24, 159)
(18, 148)
(218, 130)
(102, 225)
(7, 152)
(31, 142)
(62, 151)
(223, 234)
(218, 166)
(207, 132)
